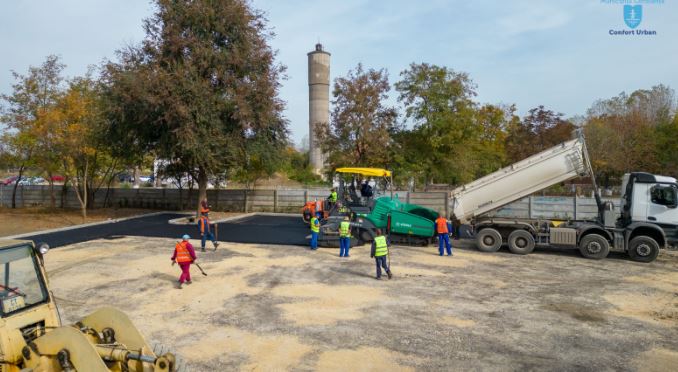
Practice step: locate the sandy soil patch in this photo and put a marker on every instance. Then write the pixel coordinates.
(657, 360)
(657, 305)
(321, 304)
(458, 322)
(460, 259)
(661, 308)
(364, 359)
(263, 353)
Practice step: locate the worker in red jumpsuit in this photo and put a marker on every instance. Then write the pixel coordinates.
(184, 254)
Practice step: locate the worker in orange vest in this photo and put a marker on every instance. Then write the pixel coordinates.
(443, 235)
(184, 254)
(206, 232)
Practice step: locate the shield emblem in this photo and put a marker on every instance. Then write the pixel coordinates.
(633, 14)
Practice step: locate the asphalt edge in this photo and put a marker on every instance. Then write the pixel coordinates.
(175, 221)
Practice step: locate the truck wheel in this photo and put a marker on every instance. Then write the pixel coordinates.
(488, 240)
(521, 242)
(643, 249)
(594, 246)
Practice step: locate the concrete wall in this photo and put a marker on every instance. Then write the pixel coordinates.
(285, 200)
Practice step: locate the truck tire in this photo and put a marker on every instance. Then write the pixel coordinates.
(521, 242)
(643, 249)
(594, 246)
(488, 240)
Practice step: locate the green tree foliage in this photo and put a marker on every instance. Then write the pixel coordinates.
(298, 167)
(454, 139)
(537, 131)
(361, 127)
(202, 90)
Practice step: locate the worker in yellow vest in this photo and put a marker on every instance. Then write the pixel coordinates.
(380, 254)
(332, 199)
(344, 237)
(315, 230)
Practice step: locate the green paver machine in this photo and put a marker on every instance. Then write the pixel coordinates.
(405, 223)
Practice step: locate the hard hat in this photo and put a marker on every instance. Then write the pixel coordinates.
(346, 218)
(186, 237)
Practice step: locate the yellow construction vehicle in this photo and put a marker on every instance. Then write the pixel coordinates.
(33, 339)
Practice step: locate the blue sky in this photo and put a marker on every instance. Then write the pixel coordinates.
(555, 53)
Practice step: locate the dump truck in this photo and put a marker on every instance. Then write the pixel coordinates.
(32, 337)
(649, 217)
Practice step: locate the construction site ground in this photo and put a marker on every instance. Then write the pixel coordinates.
(283, 307)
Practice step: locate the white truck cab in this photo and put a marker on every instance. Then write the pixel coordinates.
(653, 199)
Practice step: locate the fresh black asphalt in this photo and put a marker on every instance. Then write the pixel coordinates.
(256, 229)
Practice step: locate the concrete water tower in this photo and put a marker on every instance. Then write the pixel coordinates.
(318, 102)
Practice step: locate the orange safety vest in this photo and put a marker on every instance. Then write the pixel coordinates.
(204, 224)
(441, 223)
(182, 253)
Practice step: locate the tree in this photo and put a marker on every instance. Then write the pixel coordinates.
(202, 89)
(633, 132)
(539, 130)
(361, 126)
(76, 117)
(439, 101)
(667, 146)
(26, 134)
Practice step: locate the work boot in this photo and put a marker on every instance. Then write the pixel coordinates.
(202, 249)
(378, 278)
(179, 285)
(216, 244)
(389, 274)
(189, 282)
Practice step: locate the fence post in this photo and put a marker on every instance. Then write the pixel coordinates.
(245, 199)
(447, 209)
(408, 198)
(305, 195)
(275, 201)
(529, 207)
(575, 207)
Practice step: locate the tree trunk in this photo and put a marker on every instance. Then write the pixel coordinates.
(64, 191)
(52, 195)
(202, 188)
(16, 184)
(82, 196)
(137, 173)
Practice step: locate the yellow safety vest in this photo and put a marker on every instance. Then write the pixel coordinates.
(345, 229)
(333, 196)
(315, 228)
(381, 246)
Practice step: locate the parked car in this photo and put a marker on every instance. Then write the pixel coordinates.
(9, 180)
(26, 181)
(58, 178)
